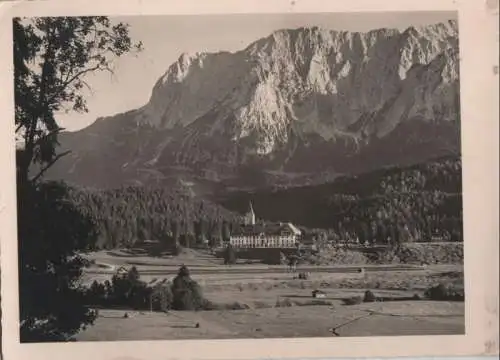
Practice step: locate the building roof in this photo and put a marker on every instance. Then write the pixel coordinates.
(266, 229)
(318, 292)
(294, 229)
(122, 270)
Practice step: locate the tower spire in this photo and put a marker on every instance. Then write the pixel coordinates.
(250, 215)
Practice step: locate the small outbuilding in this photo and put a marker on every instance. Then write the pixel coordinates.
(318, 294)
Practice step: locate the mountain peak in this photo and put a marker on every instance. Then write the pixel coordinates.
(306, 99)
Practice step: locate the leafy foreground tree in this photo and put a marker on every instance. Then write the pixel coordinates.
(52, 55)
(51, 231)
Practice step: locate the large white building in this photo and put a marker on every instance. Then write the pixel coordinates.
(252, 235)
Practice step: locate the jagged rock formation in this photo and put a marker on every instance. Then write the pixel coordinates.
(299, 102)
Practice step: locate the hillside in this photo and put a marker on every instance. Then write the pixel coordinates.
(290, 106)
(409, 204)
(126, 215)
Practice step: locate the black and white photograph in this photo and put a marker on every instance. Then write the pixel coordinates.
(238, 176)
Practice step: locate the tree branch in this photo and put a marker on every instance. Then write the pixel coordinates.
(46, 167)
(32, 122)
(70, 80)
(41, 138)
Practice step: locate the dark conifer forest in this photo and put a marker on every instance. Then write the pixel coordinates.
(417, 203)
(126, 215)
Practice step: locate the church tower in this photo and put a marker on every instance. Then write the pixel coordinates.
(250, 216)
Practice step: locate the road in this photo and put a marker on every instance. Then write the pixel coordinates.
(172, 270)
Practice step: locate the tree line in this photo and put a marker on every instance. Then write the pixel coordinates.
(393, 205)
(128, 215)
(416, 203)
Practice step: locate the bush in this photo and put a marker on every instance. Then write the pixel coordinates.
(442, 292)
(209, 306)
(124, 291)
(389, 256)
(338, 256)
(96, 294)
(303, 276)
(237, 306)
(284, 303)
(129, 291)
(369, 296)
(162, 298)
(315, 302)
(355, 300)
(431, 253)
(229, 255)
(186, 293)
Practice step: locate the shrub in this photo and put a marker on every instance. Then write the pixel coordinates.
(237, 306)
(442, 292)
(161, 298)
(96, 294)
(209, 306)
(355, 300)
(129, 290)
(284, 303)
(260, 305)
(369, 296)
(229, 255)
(337, 256)
(431, 253)
(303, 276)
(389, 256)
(315, 302)
(186, 293)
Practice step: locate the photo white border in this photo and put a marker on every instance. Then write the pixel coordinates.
(478, 31)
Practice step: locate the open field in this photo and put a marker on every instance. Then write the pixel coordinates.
(209, 269)
(265, 301)
(374, 319)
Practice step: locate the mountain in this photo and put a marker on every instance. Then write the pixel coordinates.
(299, 106)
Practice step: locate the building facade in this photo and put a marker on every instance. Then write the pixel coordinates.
(252, 235)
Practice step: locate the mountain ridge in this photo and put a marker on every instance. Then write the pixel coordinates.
(298, 101)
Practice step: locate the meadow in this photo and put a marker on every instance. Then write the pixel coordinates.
(256, 300)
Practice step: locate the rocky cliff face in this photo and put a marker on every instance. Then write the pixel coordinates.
(301, 101)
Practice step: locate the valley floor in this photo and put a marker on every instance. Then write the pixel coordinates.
(374, 319)
(271, 303)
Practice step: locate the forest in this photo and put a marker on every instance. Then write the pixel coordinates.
(126, 215)
(415, 203)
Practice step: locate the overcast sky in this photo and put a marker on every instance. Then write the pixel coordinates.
(166, 37)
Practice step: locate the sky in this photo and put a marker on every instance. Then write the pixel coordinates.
(165, 38)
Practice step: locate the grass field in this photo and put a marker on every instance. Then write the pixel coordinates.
(376, 319)
(274, 304)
